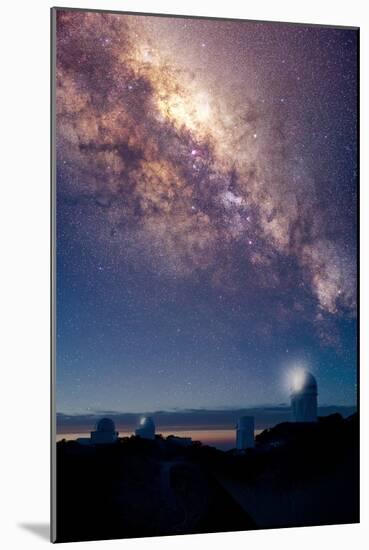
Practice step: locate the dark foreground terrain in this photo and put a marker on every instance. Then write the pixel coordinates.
(297, 475)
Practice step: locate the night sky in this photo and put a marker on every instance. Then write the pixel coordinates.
(206, 212)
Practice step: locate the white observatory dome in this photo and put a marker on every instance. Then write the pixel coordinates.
(104, 432)
(303, 382)
(147, 423)
(105, 425)
(304, 392)
(146, 428)
(310, 383)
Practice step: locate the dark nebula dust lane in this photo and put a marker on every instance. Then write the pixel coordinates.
(206, 175)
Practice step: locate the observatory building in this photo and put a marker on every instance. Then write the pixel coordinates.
(245, 433)
(146, 429)
(104, 432)
(304, 397)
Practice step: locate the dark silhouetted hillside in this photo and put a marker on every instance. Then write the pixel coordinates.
(138, 488)
(298, 474)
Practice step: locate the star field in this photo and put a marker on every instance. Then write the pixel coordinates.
(206, 211)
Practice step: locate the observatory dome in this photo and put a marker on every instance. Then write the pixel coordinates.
(146, 428)
(105, 432)
(304, 396)
(310, 382)
(147, 423)
(303, 382)
(105, 425)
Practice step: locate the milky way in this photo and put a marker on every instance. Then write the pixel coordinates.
(179, 156)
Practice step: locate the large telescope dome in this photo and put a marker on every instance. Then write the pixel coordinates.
(304, 394)
(303, 382)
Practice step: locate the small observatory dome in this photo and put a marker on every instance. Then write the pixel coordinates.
(146, 428)
(105, 425)
(304, 396)
(104, 432)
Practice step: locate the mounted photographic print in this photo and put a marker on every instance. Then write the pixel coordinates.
(204, 227)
